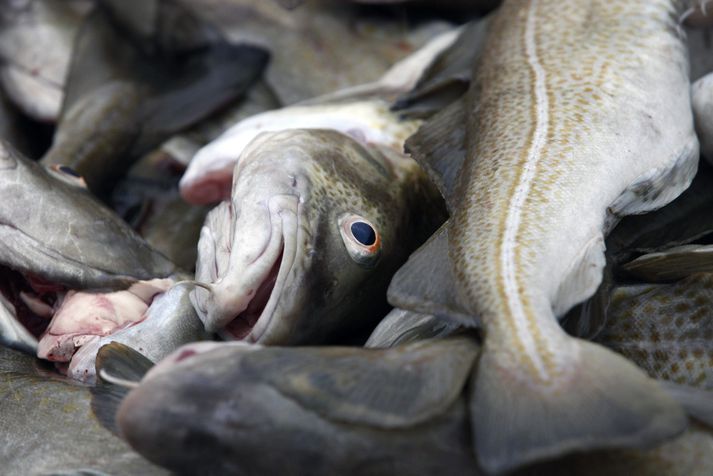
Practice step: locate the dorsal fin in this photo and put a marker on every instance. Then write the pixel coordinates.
(439, 147)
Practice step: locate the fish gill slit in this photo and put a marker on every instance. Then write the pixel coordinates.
(520, 316)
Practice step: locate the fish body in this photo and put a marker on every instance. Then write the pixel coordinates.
(88, 247)
(562, 139)
(35, 44)
(123, 98)
(378, 420)
(48, 426)
(282, 261)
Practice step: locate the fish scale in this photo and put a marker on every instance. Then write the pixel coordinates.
(578, 113)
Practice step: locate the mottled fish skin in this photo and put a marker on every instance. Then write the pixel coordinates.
(335, 411)
(568, 124)
(665, 328)
(292, 192)
(48, 427)
(87, 244)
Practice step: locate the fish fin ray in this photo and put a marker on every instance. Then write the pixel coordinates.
(119, 361)
(606, 402)
(439, 147)
(589, 319)
(426, 284)
(672, 264)
(583, 278)
(384, 388)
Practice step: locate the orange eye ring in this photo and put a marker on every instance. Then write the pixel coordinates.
(69, 175)
(361, 239)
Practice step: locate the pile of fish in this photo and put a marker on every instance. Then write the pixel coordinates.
(370, 237)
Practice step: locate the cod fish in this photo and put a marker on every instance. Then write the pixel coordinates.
(362, 111)
(324, 46)
(55, 237)
(36, 39)
(48, 426)
(336, 411)
(304, 250)
(123, 98)
(563, 137)
(154, 330)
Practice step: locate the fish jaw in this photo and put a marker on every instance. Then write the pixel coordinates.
(84, 317)
(242, 302)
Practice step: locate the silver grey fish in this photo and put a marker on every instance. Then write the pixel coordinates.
(321, 47)
(168, 323)
(562, 139)
(305, 248)
(48, 426)
(54, 236)
(123, 98)
(36, 38)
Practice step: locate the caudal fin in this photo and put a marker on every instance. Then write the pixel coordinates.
(605, 402)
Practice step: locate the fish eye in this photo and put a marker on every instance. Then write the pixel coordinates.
(361, 239)
(68, 175)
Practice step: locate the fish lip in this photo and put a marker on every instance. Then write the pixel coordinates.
(267, 321)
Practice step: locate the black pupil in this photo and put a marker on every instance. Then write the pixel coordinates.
(364, 233)
(68, 170)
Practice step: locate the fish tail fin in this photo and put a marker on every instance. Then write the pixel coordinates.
(600, 401)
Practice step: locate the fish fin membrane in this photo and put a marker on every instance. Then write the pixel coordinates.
(384, 388)
(439, 147)
(401, 326)
(589, 319)
(187, 81)
(658, 187)
(696, 402)
(582, 278)
(606, 402)
(120, 361)
(426, 283)
(672, 264)
(447, 78)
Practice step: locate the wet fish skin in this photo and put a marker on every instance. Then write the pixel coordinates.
(169, 323)
(228, 423)
(310, 180)
(35, 44)
(89, 245)
(532, 203)
(48, 426)
(665, 328)
(123, 99)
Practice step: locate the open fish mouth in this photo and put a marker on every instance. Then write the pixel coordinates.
(263, 298)
(246, 310)
(30, 300)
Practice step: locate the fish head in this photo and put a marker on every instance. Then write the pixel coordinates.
(308, 241)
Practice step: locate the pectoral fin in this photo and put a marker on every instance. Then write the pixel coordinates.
(426, 283)
(386, 388)
(676, 263)
(439, 147)
(117, 362)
